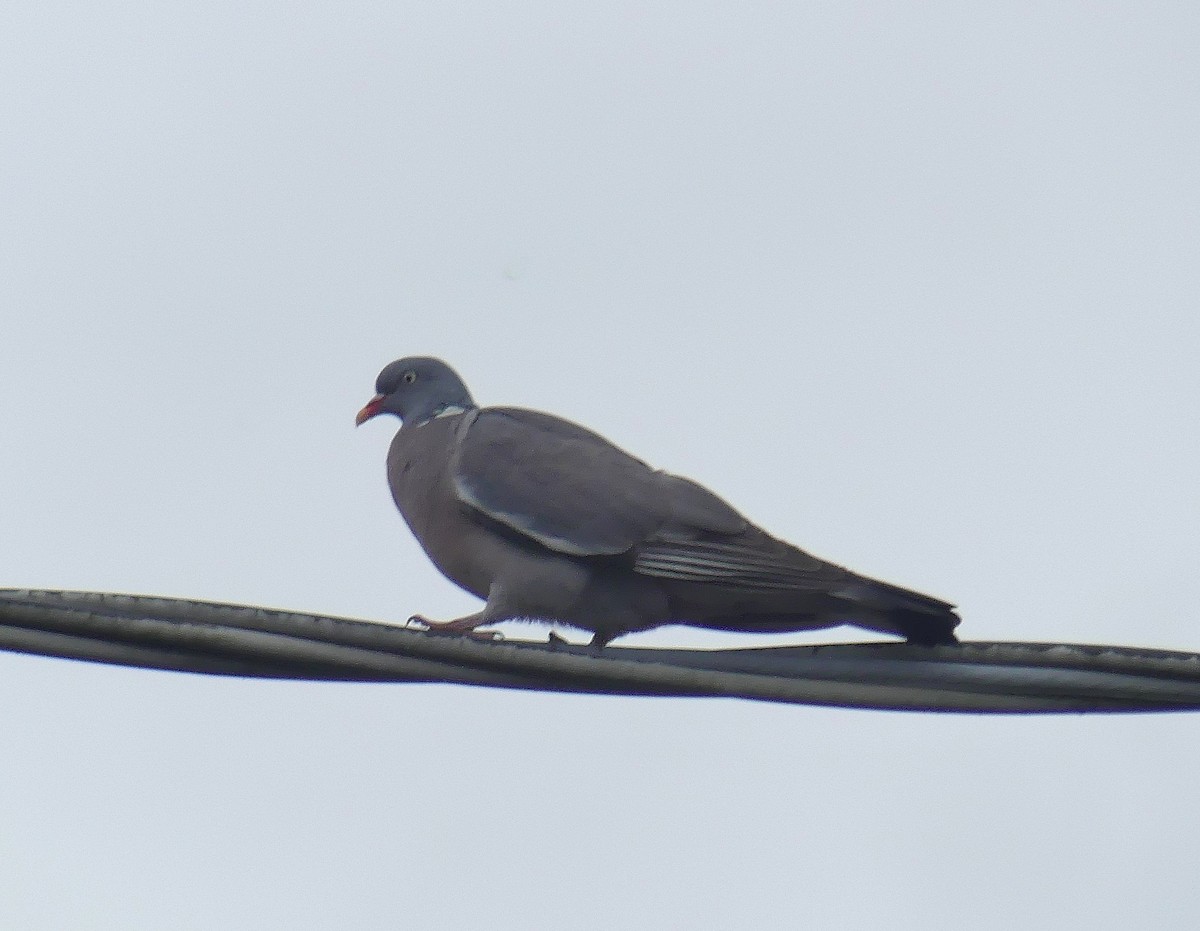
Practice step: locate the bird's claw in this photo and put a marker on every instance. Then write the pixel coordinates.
(451, 629)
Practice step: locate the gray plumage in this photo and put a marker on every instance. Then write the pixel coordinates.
(545, 519)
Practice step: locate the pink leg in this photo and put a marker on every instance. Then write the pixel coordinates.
(462, 627)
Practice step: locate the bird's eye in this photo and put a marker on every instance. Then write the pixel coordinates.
(408, 377)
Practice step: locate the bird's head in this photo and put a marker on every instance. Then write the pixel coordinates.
(417, 389)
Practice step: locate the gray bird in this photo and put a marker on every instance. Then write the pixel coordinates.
(546, 520)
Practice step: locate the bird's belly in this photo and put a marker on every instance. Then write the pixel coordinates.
(453, 544)
(464, 554)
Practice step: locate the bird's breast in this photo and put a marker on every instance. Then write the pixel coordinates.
(422, 486)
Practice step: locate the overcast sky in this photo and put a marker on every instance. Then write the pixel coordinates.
(913, 286)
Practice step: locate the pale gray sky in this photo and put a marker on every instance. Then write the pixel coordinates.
(914, 286)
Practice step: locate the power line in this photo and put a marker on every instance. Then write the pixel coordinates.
(239, 640)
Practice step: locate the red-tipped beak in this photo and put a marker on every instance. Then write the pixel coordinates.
(370, 409)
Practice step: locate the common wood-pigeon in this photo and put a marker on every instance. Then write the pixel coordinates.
(546, 520)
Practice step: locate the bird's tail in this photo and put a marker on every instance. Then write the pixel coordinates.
(916, 617)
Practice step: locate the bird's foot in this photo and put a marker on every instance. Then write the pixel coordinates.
(462, 627)
(599, 641)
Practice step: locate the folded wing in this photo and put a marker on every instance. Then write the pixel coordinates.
(557, 483)
(573, 491)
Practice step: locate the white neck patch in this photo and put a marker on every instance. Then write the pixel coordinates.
(450, 410)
